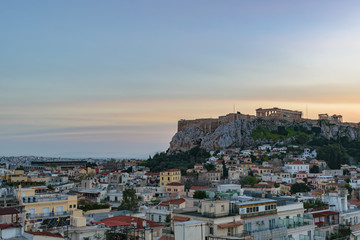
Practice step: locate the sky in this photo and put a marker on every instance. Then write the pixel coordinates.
(109, 78)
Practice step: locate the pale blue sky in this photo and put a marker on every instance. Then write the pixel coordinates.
(111, 78)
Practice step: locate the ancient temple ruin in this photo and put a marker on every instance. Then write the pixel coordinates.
(333, 119)
(278, 113)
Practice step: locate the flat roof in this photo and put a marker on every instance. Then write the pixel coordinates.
(254, 202)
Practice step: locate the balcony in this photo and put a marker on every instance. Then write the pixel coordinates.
(295, 222)
(49, 215)
(254, 214)
(275, 232)
(44, 198)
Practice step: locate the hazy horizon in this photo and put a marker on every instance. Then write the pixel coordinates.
(90, 78)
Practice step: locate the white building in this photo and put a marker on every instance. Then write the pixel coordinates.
(296, 166)
(299, 225)
(194, 230)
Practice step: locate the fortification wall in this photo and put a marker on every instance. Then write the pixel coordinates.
(209, 125)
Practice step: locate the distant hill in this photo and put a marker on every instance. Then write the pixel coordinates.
(337, 143)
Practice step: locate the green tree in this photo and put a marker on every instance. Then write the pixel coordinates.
(209, 167)
(333, 154)
(199, 194)
(168, 219)
(129, 200)
(250, 181)
(265, 158)
(348, 187)
(299, 187)
(225, 171)
(314, 169)
(302, 138)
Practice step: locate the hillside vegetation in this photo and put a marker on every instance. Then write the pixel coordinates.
(180, 160)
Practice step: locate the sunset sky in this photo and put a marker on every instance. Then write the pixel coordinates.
(112, 78)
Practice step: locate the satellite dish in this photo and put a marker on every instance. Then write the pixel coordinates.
(212, 195)
(235, 196)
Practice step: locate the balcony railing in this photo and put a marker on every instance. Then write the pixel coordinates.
(44, 198)
(254, 214)
(49, 215)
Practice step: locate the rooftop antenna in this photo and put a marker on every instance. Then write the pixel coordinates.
(234, 108)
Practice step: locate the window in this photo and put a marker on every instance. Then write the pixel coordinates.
(159, 218)
(74, 205)
(70, 206)
(222, 208)
(211, 230)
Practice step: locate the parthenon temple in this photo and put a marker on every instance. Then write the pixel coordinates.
(278, 113)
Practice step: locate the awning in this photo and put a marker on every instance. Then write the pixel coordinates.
(230, 224)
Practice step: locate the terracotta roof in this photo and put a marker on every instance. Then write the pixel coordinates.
(165, 237)
(230, 224)
(180, 219)
(47, 234)
(174, 184)
(317, 192)
(177, 201)
(8, 211)
(152, 174)
(297, 162)
(114, 223)
(332, 184)
(122, 219)
(324, 214)
(7, 225)
(354, 201)
(171, 170)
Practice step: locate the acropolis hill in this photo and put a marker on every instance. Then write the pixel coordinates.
(210, 124)
(235, 129)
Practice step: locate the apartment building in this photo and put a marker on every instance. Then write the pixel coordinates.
(49, 210)
(260, 218)
(169, 176)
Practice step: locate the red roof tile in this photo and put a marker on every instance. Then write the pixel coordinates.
(354, 201)
(180, 219)
(165, 237)
(324, 213)
(174, 184)
(122, 219)
(177, 201)
(297, 162)
(8, 211)
(47, 234)
(171, 170)
(7, 225)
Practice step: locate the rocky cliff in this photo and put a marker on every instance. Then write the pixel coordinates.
(240, 133)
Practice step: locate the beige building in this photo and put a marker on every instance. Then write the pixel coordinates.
(49, 210)
(169, 176)
(175, 188)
